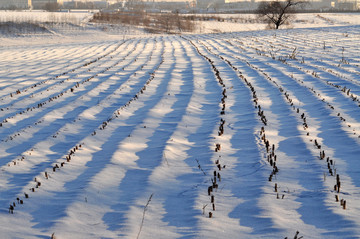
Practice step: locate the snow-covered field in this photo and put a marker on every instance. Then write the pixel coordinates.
(233, 135)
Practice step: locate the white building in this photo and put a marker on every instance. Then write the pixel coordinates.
(40, 4)
(8, 4)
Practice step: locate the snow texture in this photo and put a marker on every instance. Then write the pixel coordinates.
(251, 134)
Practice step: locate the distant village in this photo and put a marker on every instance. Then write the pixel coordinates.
(189, 6)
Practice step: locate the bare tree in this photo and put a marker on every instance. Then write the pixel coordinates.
(278, 12)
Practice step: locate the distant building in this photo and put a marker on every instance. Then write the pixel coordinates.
(241, 6)
(40, 4)
(100, 4)
(332, 5)
(323, 5)
(13, 4)
(210, 4)
(347, 6)
(153, 6)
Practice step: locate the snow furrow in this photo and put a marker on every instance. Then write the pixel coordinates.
(274, 131)
(125, 123)
(283, 143)
(237, 135)
(55, 146)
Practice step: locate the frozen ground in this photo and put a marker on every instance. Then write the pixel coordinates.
(232, 135)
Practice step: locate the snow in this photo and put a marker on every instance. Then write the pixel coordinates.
(118, 133)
